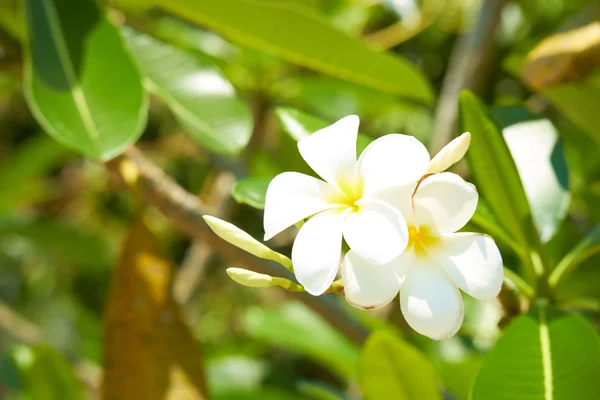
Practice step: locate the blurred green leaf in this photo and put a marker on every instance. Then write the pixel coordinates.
(295, 327)
(257, 395)
(543, 172)
(319, 391)
(588, 247)
(235, 374)
(251, 191)
(72, 244)
(390, 368)
(542, 359)
(203, 101)
(79, 82)
(458, 376)
(578, 100)
(274, 28)
(496, 174)
(19, 174)
(45, 374)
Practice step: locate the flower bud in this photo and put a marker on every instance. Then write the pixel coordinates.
(254, 279)
(452, 153)
(244, 241)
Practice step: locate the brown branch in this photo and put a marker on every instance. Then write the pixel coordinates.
(185, 211)
(470, 65)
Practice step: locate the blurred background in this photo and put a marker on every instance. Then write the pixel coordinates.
(69, 224)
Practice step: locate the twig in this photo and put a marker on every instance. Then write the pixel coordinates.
(470, 64)
(185, 212)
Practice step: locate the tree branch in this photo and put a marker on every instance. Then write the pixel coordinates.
(185, 211)
(470, 65)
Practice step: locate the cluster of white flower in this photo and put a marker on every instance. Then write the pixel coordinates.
(398, 212)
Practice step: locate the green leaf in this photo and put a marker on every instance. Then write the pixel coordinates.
(20, 172)
(496, 174)
(578, 100)
(79, 82)
(393, 369)
(203, 101)
(295, 327)
(251, 191)
(45, 374)
(588, 247)
(543, 172)
(304, 38)
(542, 359)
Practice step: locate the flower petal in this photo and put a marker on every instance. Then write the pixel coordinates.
(430, 301)
(399, 197)
(331, 151)
(376, 232)
(369, 286)
(292, 196)
(444, 202)
(317, 251)
(474, 262)
(452, 153)
(392, 160)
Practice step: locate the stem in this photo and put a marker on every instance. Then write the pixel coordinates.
(525, 288)
(186, 212)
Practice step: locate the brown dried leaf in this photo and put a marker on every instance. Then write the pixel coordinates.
(563, 57)
(149, 352)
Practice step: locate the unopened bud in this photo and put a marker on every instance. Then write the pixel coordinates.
(452, 153)
(244, 241)
(254, 279)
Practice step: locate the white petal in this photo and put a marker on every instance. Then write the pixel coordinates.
(474, 263)
(376, 232)
(430, 301)
(317, 251)
(444, 202)
(369, 286)
(331, 151)
(292, 196)
(392, 160)
(452, 153)
(398, 197)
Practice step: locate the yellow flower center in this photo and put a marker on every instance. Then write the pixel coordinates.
(351, 191)
(421, 238)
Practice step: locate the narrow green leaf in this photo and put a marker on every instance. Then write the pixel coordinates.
(542, 359)
(497, 176)
(543, 172)
(274, 27)
(201, 98)
(588, 247)
(79, 82)
(251, 191)
(295, 327)
(393, 369)
(45, 374)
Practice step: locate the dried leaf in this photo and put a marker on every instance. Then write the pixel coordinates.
(563, 57)
(149, 352)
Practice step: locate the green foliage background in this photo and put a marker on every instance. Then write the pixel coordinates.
(216, 93)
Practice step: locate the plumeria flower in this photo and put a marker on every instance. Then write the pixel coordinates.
(343, 204)
(436, 262)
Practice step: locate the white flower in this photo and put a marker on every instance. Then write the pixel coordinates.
(344, 205)
(436, 262)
